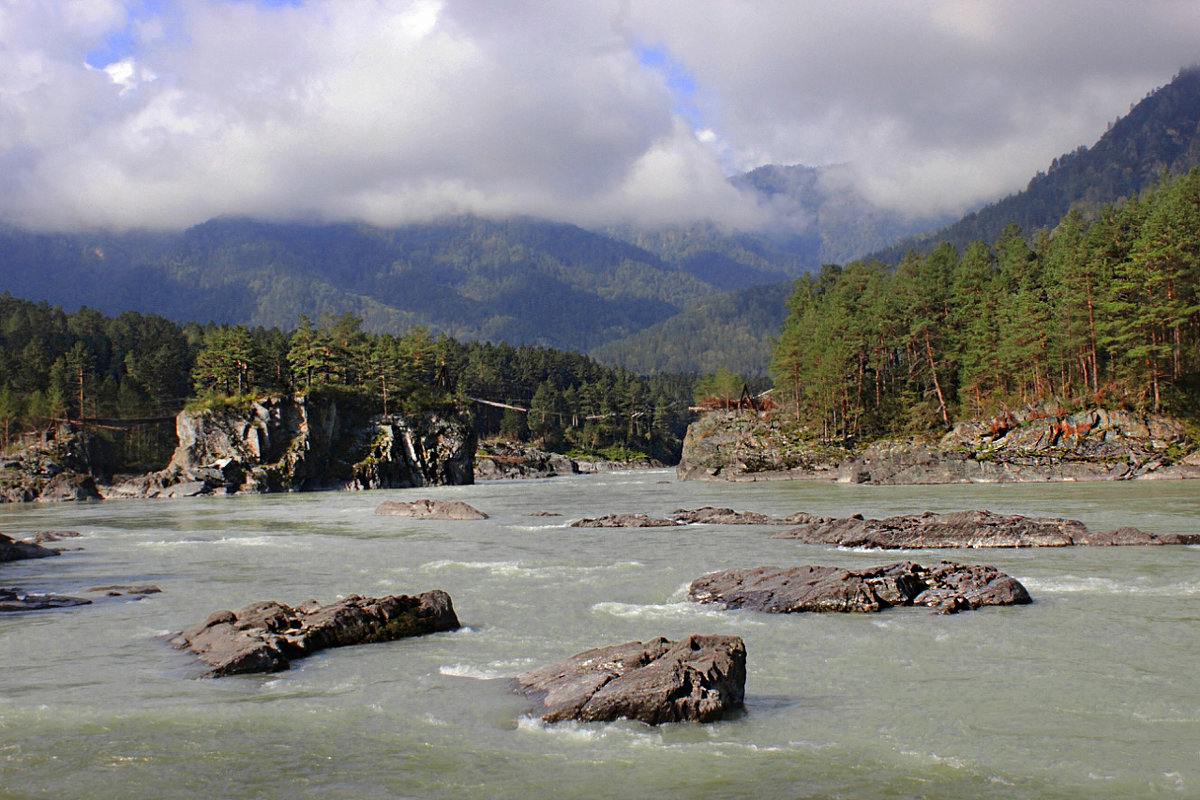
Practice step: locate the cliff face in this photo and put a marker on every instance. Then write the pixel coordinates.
(62, 465)
(1033, 444)
(280, 444)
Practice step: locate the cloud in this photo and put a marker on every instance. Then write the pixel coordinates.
(153, 113)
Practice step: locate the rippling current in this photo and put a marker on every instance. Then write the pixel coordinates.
(1091, 692)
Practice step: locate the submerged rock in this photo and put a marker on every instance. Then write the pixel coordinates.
(965, 529)
(624, 521)
(946, 587)
(697, 679)
(16, 600)
(265, 636)
(429, 509)
(727, 516)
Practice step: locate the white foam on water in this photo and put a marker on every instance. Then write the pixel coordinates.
(664, 611)
(490, 671)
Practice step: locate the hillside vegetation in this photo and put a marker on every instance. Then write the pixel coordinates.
(1106, 310)
(128, 375)
(1160, 135)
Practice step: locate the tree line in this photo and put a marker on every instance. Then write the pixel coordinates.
(57, 366)
(1102, 309)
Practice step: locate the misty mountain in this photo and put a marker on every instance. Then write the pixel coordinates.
(520, 281)
(1161, 134)
(817, 213)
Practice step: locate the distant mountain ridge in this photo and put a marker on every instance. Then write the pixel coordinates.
(519, 280)
(1160, 134)
(650, 300)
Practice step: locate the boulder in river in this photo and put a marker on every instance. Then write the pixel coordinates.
(697, 679)
(265, 636)
(14, 550)
(624, 521)
(430, 509)
(17, 600)
(946, 587)
(964, 529)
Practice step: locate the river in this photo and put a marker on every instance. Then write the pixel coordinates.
(1093, 691)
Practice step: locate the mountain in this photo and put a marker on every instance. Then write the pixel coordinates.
(1161, 134)
(818, 213)
(519, 281)
(522, 281)
(731, 330)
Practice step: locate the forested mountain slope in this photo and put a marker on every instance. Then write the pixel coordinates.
(519, 281)
(1160, 135)
(1102, 311)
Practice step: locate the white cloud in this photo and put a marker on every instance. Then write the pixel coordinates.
(404, 109)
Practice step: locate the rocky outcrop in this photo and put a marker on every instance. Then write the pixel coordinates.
(697, 679)
(265, 637)
(61, 464)
(500, 461)
(299, 443)
(1037, 443)
(749, 446)
(967, 529)
(14, 550)
(509, 460)
(946, 588)
(430, 509)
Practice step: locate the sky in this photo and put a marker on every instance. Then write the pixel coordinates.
(161, 114)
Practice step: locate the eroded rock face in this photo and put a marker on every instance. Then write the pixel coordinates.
(967, 529)
(507, 461)
(697, 679)
(430, 509)
(295, 443)
(1035, 443)
(946, 587)
(266, 636)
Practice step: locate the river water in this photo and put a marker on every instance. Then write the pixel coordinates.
(1091, 692)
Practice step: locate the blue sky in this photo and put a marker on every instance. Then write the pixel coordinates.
(164, 113)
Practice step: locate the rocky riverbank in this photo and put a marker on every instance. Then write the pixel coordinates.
(1034, 444)
(271, 444)
(511, 461)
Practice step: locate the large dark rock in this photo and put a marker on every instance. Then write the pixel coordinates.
(697, 679)
(946, 587)
(963, 529)
(13, 550)
(264, 637)
(429, 509)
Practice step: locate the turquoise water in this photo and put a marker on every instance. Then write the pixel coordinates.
(1092, 691)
